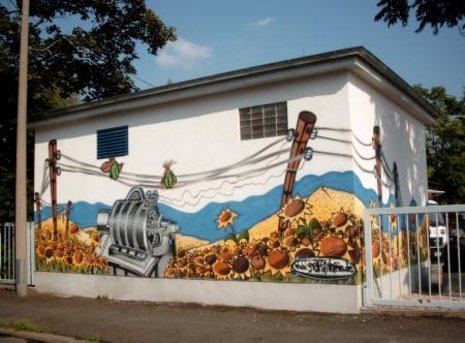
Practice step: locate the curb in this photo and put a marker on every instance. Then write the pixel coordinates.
(41, 337)
(414, 312)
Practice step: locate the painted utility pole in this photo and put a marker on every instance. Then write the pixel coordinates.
(52, 164)
(303, 131)
(68, 214)
(38, 214)
(377, 147)
(21, 164)
(395, 171)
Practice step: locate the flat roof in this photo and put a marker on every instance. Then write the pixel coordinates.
(345, 59)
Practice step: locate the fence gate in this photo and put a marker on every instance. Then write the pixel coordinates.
(415, 256)
(8, 254)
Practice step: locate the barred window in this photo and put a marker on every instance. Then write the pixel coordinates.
(112, 142)
(261, 121)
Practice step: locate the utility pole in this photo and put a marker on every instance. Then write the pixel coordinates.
(21, 146)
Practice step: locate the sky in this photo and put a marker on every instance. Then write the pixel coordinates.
(216, 36)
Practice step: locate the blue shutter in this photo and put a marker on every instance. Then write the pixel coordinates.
(112, 142)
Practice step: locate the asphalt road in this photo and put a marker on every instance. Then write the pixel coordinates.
(111, 321)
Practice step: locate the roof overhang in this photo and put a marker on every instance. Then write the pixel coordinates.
(357, 60)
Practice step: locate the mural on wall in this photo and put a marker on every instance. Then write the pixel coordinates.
(316, 244)
(310, 230)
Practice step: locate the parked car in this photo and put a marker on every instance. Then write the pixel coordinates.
(454, 256)
(438, 235)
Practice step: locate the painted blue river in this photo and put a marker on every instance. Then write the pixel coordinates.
(252, 210)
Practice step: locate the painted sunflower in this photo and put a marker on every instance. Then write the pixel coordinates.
(393, 218)
(278, 262)
(226, 218)
(295, 210)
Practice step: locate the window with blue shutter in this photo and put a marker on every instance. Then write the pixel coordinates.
(112, 142)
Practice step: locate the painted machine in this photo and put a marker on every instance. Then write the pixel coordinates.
(135, 237)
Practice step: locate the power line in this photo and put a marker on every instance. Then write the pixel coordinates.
(142, 80)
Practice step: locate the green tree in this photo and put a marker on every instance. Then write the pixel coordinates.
(435, 13)
(77, 50)
(446, 145)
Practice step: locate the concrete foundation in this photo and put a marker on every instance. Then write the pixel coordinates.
(263, 295)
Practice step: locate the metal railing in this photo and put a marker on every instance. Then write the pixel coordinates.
(8, 253)
(415, 256)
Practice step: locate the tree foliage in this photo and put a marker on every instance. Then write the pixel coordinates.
(77, 50)
(435, 13)
(446, 145)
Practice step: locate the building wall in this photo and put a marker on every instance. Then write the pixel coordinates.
(225, 217)
(199, 134)
(263, 295)
(403, 142)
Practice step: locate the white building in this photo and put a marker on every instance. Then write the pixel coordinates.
(227, 135)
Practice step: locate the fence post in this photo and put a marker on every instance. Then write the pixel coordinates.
(30, 253)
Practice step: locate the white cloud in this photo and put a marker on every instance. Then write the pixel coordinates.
(263, 22)
(182, 53)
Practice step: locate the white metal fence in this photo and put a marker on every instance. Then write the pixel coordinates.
(8, 254)
(415, 256)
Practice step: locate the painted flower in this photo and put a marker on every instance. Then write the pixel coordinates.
(40, 250)
(78, 257)
(222, 270)
(48, 252)
(241, 268)
(226, 218)
(278, 262)
(373, 219)
(295, 210)
(393, 218)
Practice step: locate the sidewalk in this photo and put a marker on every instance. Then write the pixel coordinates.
(102, 320)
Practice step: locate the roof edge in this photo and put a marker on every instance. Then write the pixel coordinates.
(394, 78)
(107, 105)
